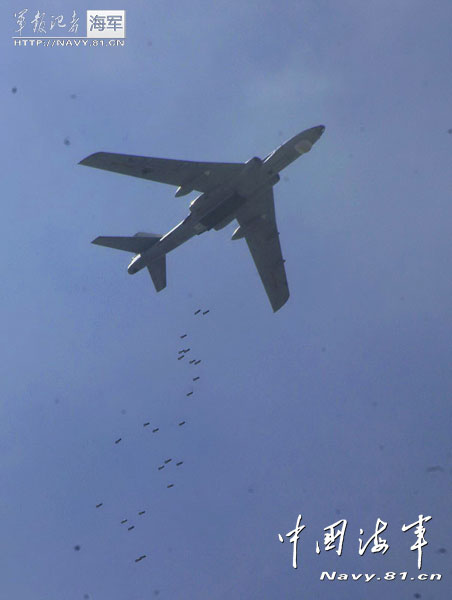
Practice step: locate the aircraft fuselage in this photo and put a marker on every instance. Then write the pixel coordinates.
(219, 207)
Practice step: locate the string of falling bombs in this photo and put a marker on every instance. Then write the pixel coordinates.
(130, 528)
(181, 355)
(195, 362)
(141, 512)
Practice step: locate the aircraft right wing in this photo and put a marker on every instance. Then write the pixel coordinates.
(258, 220)
(188, 175)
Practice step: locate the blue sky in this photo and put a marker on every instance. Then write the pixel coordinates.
(337, 406)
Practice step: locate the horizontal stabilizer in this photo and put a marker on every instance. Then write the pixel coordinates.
(137, 244)
(157, 270)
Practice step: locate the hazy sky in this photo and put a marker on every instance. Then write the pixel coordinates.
(336, 407)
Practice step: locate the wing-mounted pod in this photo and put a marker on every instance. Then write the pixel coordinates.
(183, 190)
(199, 203)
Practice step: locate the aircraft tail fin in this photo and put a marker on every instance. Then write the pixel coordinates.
(157, 270)
(137, 244)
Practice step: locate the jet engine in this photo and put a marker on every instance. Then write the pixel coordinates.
(250, 177)
(224, 222)
(199, 203)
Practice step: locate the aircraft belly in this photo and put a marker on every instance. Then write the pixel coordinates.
(223, 211)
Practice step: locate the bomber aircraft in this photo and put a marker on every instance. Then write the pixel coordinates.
(241, 191)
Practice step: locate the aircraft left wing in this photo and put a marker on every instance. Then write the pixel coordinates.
(258, 222)
(187, 175)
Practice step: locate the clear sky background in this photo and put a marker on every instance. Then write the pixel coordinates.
(336, 407)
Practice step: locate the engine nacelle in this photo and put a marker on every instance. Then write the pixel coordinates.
(199, 203)
(224, 222)
(250, 176)
(274, 178)
(253, 162)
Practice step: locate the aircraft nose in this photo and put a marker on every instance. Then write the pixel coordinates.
(312, 134)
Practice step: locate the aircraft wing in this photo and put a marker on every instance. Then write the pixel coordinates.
(189, 175)
(258, 220)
